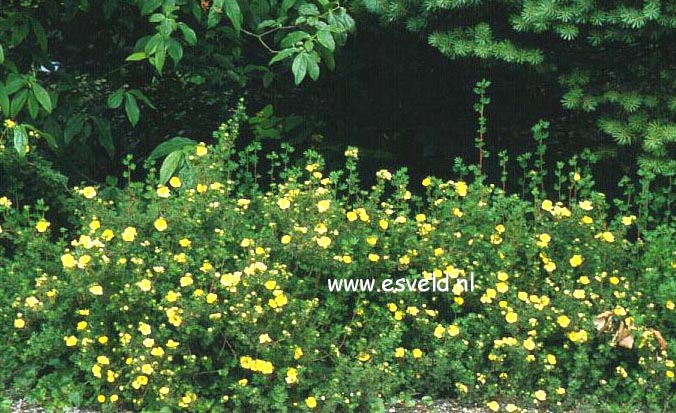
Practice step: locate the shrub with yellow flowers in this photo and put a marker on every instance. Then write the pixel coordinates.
(208, 292)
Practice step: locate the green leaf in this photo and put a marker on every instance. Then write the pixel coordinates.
(188, 34)
(159, 58)
(115, 100)
(326, 39)
(234, 13)
(287, 4)
(292, 38)
(149, 6)
(73, 127)
(18, 101)
(40, 35)
(214, 18)
(4, 100)
(20, 140)
(135, 57)
(105, 136)
(33, 106)
(170, 165)
(42, 97)
(312, 65)
(299, 68)
(308, 9)
(132, 109)
(282, 55)
(173, 144)
(2, 55)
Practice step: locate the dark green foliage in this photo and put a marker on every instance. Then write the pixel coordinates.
(610, 56)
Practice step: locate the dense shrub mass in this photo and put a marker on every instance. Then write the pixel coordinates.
(209, 293)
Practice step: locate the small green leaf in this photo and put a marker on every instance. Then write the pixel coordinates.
(188, 34)
(326, 39)
(149, 6)
(287, 4)
(33, 106)
(135, 57)
(282, 55)
(299, 68)
(4, 99)
(20, 140)
(234, 13)
(292, 38)
(173, 144)
(105, 136)
(18, 101)
(42, 97)
(2, 55)
(115, 100)
(170, 165)
(132, 109)
(73, 127)
(312, 65)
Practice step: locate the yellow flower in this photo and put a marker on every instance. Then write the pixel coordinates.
(547, 205)
(144, 329)
(160, 224)
(551, 359)
(297, 353)
(608, 236)
(175, 181)
(529, 344)
(371, 240)
(351, 216)
(68, 261)
(201, 188)
(575, 260)
(461, 188)
(541, 395)
(145, 285)
(511, 317)
(129, 234)
(70, 341)
(163, 192)
(383, 224)
(586, 220)
(201, 149)
(511, 408)
(399, 352)
(291, 375)
(493, 405)
(560, 391)
(283, 203)
(628, 220)
(311, 402)
(324, 241)
(9, 123)
(102, 360)
(426, 182)
(374, 257)
(453, 330)
(96, 289)
(585, 205)
(563, 321)
(107, 234)
(19, 323)
(439, 331)
(186, 280)
(417, 353)
(670, 305)
(81, 325)
(88, 192)
(323, 205)
(42, 225)
(264, 338)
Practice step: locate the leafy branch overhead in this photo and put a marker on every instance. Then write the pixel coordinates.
(227, 43)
